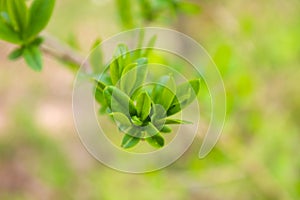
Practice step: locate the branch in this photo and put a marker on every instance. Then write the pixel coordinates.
(54, 48)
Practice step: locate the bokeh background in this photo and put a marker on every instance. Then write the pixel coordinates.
(256, 45)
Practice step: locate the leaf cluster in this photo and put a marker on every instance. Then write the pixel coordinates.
(21, 24)
(141, 111)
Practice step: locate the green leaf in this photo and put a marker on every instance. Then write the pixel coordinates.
(33, 57)
(156, 141)
(40, 13)
(17, 53)
(166, 129)
(4, 12)
(158, 115)
(37, 41)
(177, 121)
(100, 85)
(8, 34)
(122, 121)
(163, 92)
(101, 82)
(114, 69)
(129, 141)
(118, 101)
(125, 13)
(150, 130)
(143, 105)
(185, 95)
(101, 100)
(136, 121)
(121, 51)
(128, 78)
(133, 77)
(104, 78)
(17, 11)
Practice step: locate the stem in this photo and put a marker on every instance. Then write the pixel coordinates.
(54, 48)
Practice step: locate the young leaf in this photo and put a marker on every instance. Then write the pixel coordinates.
(177, 121)
(101, 100)
(156, 141)
(122, 121)
(136, 121)
(129, 141)
(121, 51)
(163, 92)
(118, 101)
(33, 57)
(8, 34)
(128, 78)
(40, 12)
(17, 12)
(104, 78)
(143, 105)
(157, 115)
(185, 95)
(17, 53)
(133, 77)
(166, 129)
(100, 85)
(114, 70)
(151, 130)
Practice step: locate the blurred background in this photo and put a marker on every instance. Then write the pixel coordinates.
(256, 46)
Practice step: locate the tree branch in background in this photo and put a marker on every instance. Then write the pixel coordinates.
(54, 48)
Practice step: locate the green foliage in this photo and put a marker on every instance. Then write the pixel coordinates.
(133, 13)
(33, 57)
(39, 16)
(141, 112)
(21, 25)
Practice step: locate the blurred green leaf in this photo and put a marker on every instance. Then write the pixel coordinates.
(33, 57)
(8, 34)
(40, 12)
(17, 11)
(17, 53)
(125, 13)
(189, 7)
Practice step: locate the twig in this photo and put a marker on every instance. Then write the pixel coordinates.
(56, 49)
